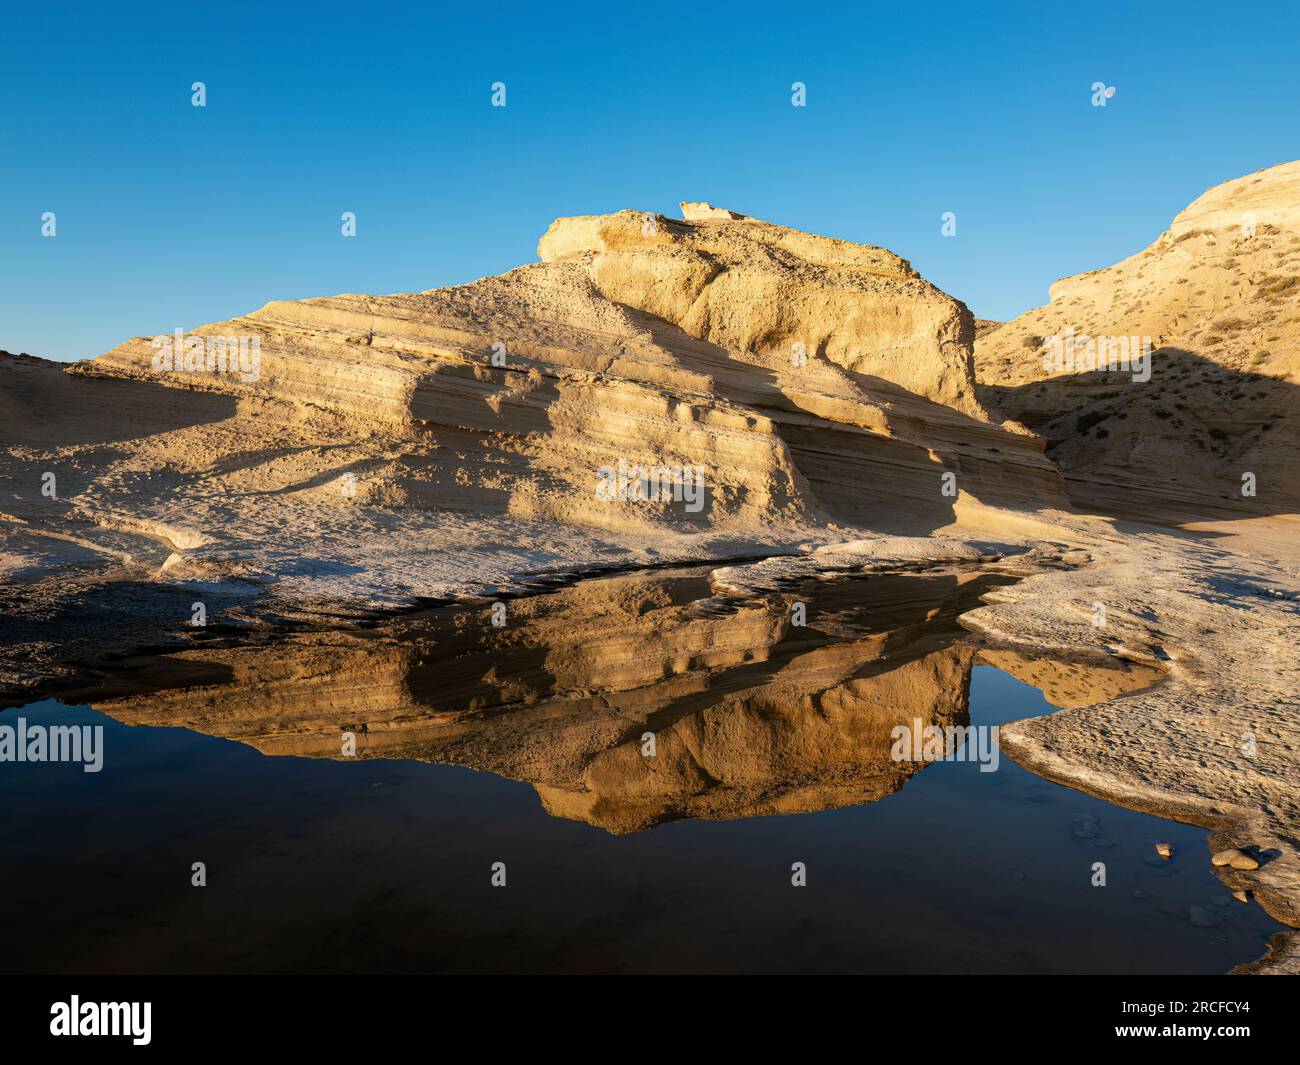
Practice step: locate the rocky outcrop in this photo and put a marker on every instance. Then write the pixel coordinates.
(660, 343)
(1212, 426)
(753, 287)
(696, 212)
(638, 387)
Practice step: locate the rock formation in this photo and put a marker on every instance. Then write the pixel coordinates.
(372, 450)
(758, 289)
(300, 473)
(1218, 295)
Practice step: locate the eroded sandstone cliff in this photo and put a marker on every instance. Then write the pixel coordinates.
(1218, 297)
(379, 449)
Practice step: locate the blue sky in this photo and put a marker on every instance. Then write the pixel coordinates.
(173, 216)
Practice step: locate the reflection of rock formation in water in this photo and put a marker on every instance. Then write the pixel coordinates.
(751, 714)
(1069, 684)
(817, 737)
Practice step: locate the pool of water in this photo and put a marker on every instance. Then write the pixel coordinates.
(524, 744)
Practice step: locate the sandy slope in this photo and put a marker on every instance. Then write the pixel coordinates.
(1218, 296)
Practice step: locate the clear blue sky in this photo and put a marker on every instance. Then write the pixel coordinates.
(170, 215)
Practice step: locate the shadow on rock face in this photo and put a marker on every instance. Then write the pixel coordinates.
(43, 405)
(1180, 444)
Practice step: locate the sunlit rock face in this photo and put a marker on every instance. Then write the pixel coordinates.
(625, 701)
(809, 377)
(690, 389)
(1217, 298)
(750, 286)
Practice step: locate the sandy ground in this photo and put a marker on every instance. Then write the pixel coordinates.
(1215, 744)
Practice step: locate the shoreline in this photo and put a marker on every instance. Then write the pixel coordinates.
(1152, 608)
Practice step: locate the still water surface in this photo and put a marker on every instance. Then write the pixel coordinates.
(772, 748)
